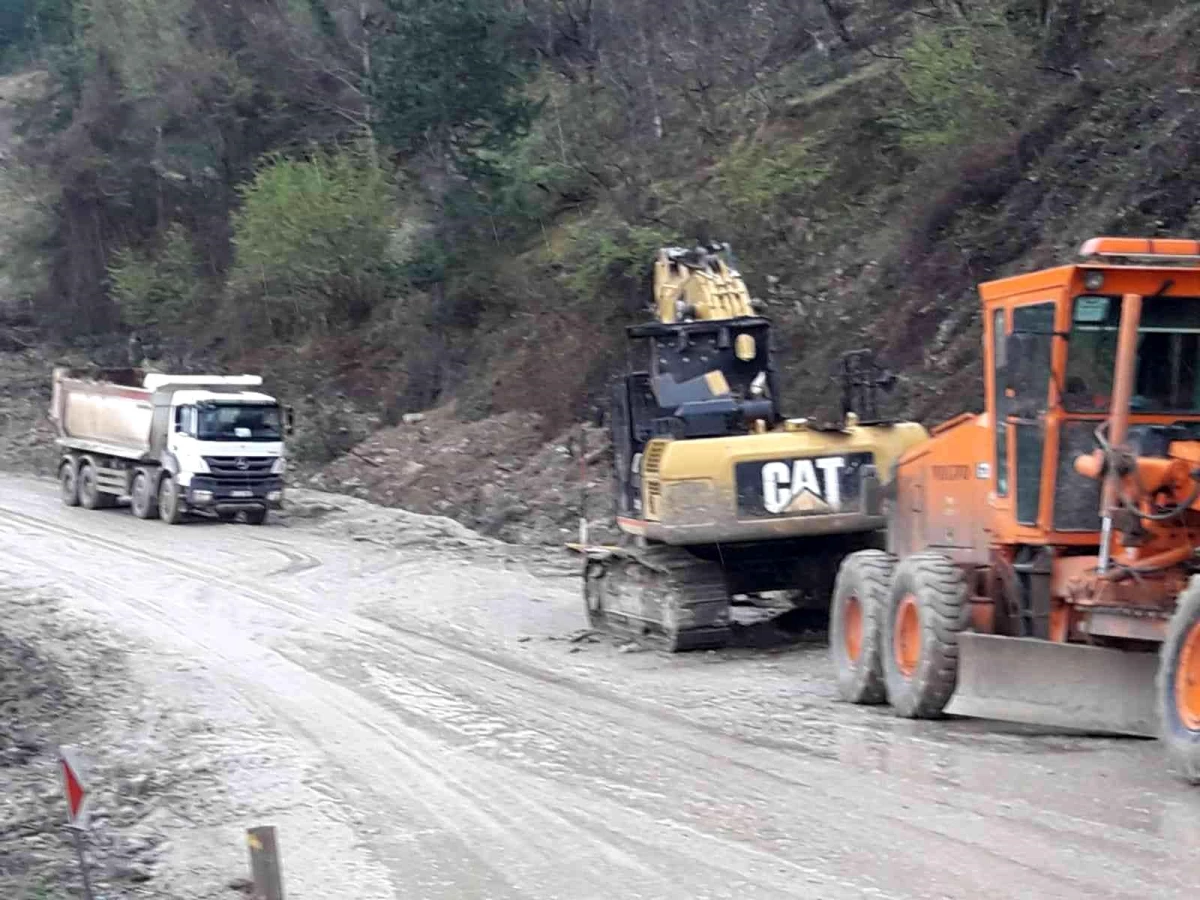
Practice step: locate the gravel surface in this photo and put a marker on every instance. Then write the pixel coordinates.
(412, 706)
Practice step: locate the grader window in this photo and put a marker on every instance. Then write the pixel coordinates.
(1001, 403)
(1037, 321)
(1168, 363)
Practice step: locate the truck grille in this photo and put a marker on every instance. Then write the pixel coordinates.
(239, 468)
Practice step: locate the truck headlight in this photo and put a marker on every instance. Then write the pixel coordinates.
(280, 466)
(202, 496)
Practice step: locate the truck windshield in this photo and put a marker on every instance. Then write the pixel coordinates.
(1168, 359)
(238, 422)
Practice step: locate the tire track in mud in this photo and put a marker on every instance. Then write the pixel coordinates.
(549, 689)
(298, 560)
(460, 801)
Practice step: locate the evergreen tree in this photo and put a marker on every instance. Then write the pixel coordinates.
(447, 76)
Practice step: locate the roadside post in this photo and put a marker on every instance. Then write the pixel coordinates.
(75, 789)
(583, 486)
(265, 872)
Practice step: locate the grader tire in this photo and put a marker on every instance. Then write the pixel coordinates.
(927, 609)
(860, 597)
(1178, 685)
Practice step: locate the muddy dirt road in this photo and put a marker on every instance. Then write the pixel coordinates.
(429, 730)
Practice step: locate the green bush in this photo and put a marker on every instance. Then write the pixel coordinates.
(157, 290)
(957, 81)
(755, 177)
(313, 242)
(605, 255)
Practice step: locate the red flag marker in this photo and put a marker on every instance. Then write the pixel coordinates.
(76, 791)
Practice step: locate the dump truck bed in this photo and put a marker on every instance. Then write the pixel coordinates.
(112, 413)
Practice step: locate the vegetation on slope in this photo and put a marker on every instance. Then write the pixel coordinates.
(415, 201)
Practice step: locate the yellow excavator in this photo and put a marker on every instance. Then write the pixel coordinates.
(720, 499)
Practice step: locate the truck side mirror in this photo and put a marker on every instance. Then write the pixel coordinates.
(289, 420)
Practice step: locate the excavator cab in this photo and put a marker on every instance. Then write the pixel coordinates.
(1042, 553)
(704, 379)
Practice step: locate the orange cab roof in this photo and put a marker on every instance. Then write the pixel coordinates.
(1025, 282)
(1101, 253)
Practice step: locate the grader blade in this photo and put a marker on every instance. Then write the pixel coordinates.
(1071, 686)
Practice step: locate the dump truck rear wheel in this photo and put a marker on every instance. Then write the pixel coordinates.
(1179, 685)
(143, 496)
(927, 608)
(68, 480)
(860, 598)
(89, 491)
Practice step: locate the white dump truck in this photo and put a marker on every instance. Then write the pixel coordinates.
(171, 444)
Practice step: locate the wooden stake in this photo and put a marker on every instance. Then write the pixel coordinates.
(265, 871)
(77, 835)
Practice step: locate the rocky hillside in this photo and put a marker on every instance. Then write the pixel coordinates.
(871, 162)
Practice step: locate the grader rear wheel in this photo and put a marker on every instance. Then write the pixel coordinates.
(927, 609)
(1179, 685)
(859, 601)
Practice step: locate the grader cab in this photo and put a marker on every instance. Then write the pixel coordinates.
(1041, 555)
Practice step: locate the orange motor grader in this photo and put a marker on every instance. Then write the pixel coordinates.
(1042, 556)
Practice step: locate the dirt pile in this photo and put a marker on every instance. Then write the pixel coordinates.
(498, 475)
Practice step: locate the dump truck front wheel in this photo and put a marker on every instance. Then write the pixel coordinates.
(926, 610)
(1179, 685)
(860, 599)
(170, 503)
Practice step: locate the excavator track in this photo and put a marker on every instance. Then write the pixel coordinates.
(661, 596)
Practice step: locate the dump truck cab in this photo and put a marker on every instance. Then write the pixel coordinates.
(1041, 553)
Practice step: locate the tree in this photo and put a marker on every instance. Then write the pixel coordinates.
(160, 291)
(447, 76)
(313, 239)
(32, 24)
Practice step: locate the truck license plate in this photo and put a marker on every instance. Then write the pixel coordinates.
(240, 494)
